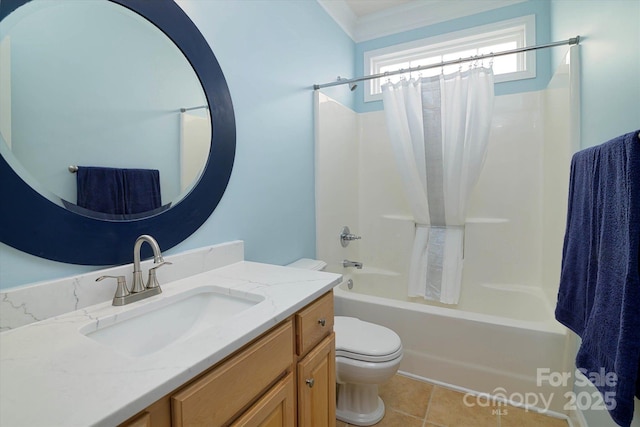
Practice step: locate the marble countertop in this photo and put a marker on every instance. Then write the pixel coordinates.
(53, 375)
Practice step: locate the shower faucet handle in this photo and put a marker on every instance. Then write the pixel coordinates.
(346, 237)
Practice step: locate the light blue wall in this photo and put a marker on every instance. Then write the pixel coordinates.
(539, 8)
(610, 87)
(610, 51)
(271, 52)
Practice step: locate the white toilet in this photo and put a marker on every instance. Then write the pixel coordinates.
(367, 355)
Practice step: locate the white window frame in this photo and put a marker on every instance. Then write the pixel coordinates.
(521, 29)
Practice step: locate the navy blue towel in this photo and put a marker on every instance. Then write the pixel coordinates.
(141, 190)
(599, 295)
(118, 191)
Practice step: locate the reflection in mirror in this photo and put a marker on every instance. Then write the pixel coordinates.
(62, 235)
(95, 84)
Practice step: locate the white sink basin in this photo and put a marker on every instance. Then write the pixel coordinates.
(151, 327)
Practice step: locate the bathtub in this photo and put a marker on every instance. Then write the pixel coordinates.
(492, 342)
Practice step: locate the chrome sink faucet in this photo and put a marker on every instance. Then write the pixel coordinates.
(138, 284)
(139, 290)
(356, 264)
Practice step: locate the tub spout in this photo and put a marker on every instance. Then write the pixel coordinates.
(356, 264)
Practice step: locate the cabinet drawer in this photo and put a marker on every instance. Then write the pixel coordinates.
(313, 323)
(219, 395)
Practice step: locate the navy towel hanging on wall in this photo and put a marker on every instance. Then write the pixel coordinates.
(118, 191)
(599, 294)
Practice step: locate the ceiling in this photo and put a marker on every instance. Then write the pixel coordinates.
(367, 7)
(369, 19)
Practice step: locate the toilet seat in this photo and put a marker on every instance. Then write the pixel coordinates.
(359, 340)
(368, 358)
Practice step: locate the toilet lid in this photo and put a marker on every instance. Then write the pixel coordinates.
(365, 341)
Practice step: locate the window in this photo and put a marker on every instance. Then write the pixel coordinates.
(487, 39)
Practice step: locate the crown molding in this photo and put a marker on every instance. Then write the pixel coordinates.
(340, 11)
(405, 17)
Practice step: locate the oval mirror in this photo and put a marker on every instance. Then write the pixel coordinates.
(126, 98)
(96, 84)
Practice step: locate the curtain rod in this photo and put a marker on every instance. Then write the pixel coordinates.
(342, 81)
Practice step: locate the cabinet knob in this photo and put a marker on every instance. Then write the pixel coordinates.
(310, 382)
(322, 322)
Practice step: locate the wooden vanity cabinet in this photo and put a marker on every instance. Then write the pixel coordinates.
(316, 367)
(284, 378)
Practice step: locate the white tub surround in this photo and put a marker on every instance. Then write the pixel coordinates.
(53, 375)
(503, 328)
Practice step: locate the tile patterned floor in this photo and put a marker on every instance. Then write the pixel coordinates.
(413, 403)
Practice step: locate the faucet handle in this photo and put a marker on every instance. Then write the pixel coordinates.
(121, 290)
(152, 282)
(346, 237)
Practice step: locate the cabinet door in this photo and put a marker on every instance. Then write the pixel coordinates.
(142, 420)
(156, 415)
(317, 386)
(275, 409)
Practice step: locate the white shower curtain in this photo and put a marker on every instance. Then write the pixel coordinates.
(439, 128)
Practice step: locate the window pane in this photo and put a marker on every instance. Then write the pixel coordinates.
(502, 64)
(490, 39)
(460, 54)
(395, 67)
(427, 61)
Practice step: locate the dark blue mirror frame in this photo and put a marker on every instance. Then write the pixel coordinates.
(31, 223)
